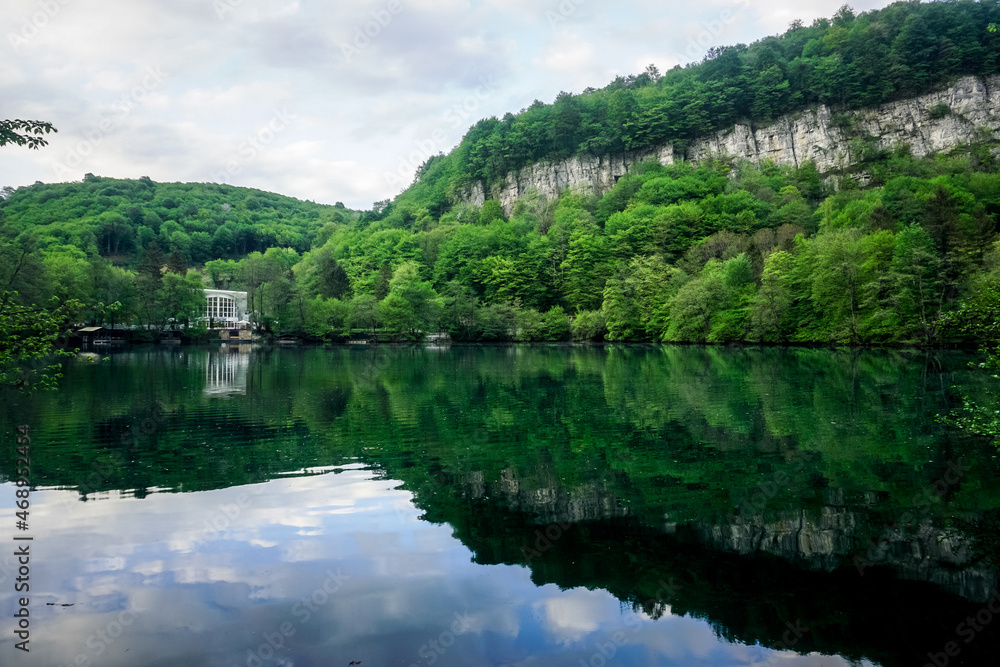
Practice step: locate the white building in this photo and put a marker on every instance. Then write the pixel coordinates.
(226, 307)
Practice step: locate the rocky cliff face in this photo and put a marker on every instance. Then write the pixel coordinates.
(827, 538)
(830, 541)
(973, 115)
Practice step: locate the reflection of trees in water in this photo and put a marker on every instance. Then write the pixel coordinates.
(667, 435)
(660, 459)
(746, 598)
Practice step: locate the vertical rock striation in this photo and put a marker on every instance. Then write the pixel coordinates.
(966, 112)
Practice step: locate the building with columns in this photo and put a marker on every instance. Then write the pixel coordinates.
(226, 308)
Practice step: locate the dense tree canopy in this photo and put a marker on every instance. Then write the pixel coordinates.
(715, 252)
(849, 61)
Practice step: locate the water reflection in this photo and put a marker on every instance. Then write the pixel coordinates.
(667, 505)
(226, 371)
(318, 570)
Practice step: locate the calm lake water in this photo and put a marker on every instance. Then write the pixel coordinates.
(503, 506)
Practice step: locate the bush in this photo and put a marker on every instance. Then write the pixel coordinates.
(589, 325)
(939, 110)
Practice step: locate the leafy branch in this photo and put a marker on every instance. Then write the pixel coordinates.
(25, 132)
(29, 336)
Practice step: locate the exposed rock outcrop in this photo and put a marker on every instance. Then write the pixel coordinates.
(966, 112)
(831, 536)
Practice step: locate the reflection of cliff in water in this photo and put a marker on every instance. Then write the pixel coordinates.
(749, 591)
(836, 535)
(755, 477)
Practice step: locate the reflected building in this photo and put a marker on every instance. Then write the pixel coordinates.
(226, 370)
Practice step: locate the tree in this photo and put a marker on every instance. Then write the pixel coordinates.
(25, 132)
(253, 272)
(326, 318)
(28, 333)
(176, 263)
(556, 324)
(492, 210)
(771, 93)
(364, 312)
(694, 307)
(222, 272)
(149, 282)
(332, 280)
(28, 338)
(978, 318)
(621, 307)
(836, 285)
(773, 299)
(586, 267)
(382, 282)
(458, 315)
(183, 296)
(412, 307)
(915, 270)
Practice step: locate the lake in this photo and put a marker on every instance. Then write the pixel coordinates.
(509, 505)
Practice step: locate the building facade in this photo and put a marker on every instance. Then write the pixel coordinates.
(226, 308)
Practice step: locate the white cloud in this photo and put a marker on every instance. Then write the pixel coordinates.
(356, 118)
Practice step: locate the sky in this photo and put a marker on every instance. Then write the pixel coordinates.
(202, 578)
(324, 101)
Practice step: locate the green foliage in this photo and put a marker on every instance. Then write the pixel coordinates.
(25, 132)
(117, 218)
(412, 307)
(715, 253)
(854, 61)
(939, 110)
(28, 342)
(589, 325)
(978, 318)
(718, 252)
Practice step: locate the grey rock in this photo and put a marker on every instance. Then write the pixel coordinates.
(789, 140)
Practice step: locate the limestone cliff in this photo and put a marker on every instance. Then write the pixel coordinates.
(965, 112)
(827, 537)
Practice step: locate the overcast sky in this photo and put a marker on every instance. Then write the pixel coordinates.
(327, 101)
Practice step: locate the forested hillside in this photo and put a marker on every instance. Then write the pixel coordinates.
(106, 240)
(715, 252)
(710, 253)
(849, 61)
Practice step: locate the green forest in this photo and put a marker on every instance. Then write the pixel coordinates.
(713, 253)
(847, 62)
(719, 251)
